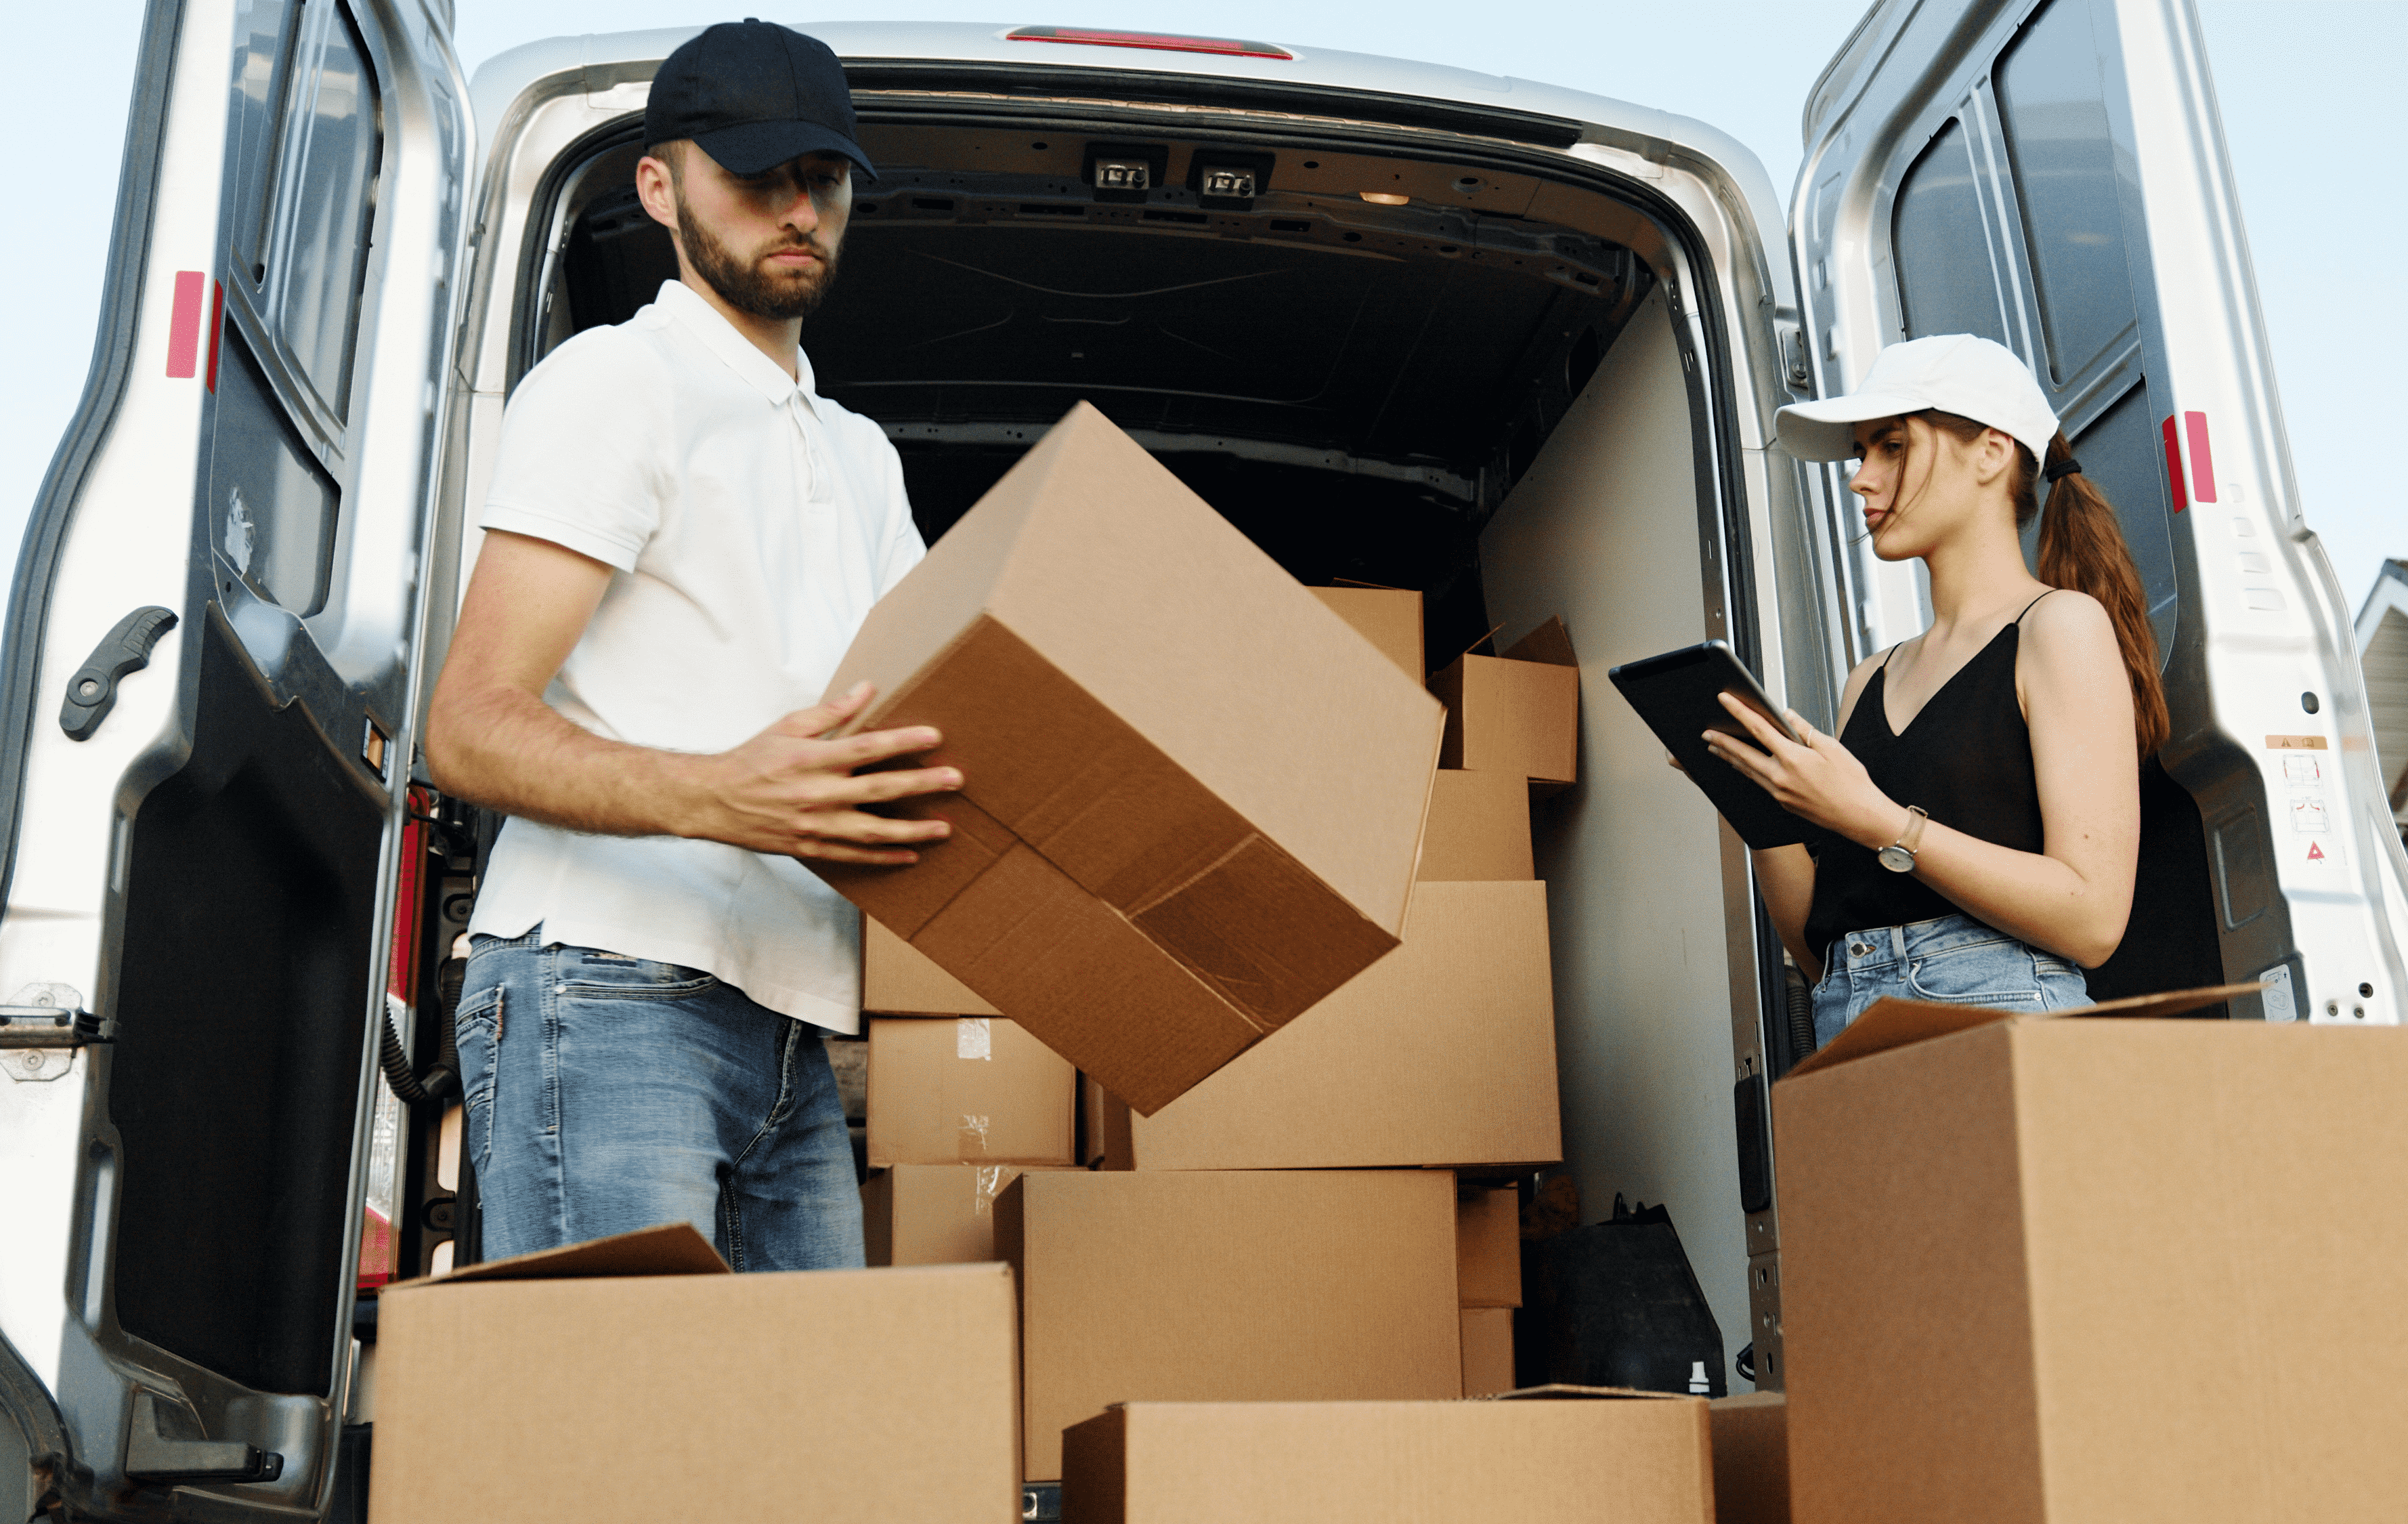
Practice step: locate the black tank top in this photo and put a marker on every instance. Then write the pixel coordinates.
(1966, 759)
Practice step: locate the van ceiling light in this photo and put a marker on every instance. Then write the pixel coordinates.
(1169, 42)
(1385, 198)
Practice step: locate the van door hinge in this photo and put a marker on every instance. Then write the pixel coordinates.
(92, 693)
(1793, 355)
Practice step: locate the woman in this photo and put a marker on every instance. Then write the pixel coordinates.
(1978, 813)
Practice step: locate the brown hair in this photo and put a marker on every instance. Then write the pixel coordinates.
(2082, 548)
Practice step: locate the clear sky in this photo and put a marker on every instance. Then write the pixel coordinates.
(2299, 82)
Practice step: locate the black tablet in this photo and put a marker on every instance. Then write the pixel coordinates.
(1679, 695)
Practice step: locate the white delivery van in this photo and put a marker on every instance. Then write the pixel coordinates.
(1512, 345)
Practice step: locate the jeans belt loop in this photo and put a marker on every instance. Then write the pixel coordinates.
(1898, 942)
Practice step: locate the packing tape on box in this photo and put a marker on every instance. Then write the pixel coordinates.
(973, 1038)
(990, 1179)
(973, 1135)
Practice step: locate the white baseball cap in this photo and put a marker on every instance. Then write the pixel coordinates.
(1958, 373)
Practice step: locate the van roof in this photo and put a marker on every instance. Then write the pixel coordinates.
(1662, 136)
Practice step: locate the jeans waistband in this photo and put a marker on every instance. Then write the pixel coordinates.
(1883, 946)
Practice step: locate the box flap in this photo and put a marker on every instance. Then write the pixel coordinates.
(1550, 644)
(1891, 1023)
(671, 1249)
(1560, 1391)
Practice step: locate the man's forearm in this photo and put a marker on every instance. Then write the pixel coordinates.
(509, 751)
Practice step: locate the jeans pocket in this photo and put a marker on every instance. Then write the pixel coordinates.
(477, 1028)
(584, 974)
(1995, 972)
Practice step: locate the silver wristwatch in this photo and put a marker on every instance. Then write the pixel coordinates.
(1899, 857)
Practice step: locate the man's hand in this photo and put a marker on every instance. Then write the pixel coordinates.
(788, 791)
(492, 740)
(1821, 780)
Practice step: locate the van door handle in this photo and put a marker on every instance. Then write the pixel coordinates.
(92, 693)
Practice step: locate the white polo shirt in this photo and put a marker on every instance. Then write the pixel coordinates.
(751, 524)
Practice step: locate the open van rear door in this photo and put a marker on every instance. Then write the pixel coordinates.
(206, 744)
(2051, 174)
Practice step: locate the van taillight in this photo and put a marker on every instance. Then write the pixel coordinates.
(1167, 42)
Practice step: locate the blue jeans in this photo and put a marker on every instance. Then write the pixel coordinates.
(607, 1093)
(1954, 961)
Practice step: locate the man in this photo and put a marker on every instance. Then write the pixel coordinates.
(681, 540)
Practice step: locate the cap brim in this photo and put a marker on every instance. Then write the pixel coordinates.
(1827, 430)
(756, 148)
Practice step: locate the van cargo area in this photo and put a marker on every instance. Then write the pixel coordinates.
(1478, 391)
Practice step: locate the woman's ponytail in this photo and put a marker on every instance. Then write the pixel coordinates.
(2082, 548)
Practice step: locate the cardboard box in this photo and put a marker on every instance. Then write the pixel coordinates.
(1443, 1054)
(1751, 1458)
(1478, 828)
(1281, 1285)
(631, 1380)
(1487, 1350)
(1193, 796)
(1488, 1247)
(1516, 714)
(976, 1088)
(1388, 617)
(899, 980)
(934, 1214)
(1553, 1456)
(2092, 1267)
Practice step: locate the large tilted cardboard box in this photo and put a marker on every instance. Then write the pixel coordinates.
(934, 1214)
(1271, 1286)
(1193, 796)
(1478, 828)
(1441, 1054)
(632, 1379)
(1518, 712)
(1488, 1246)
(1751, 1458)
(899, 980)
(2095, 1267)
(1549, 1456)
(976, 1088)
(1389, 618)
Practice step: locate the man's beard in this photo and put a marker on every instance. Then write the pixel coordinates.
(750, 286)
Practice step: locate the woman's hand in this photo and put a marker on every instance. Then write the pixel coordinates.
(1821, 781)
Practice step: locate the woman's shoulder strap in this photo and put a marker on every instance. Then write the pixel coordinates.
(2034, 604)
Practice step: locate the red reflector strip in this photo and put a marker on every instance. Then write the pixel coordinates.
(1169, 42)
(184, 326)
(217, 327)
(2174, 464)
(2202, 462)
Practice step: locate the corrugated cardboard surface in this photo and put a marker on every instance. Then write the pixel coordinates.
(976, 1088)
(1487, 1350)
(1092, 1120)
(1488, 1247)
(934, 1214)
(1389, 618)
(1751, 1458)
(1193, 796)
(2098, 1268)
(899, 980)
(1516, 714)
(1478, 828)
(1630, 1460)
(1274, 1286)
(1444, 1053)
(882, 1394)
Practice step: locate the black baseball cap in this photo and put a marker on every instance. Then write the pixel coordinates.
(754, 95)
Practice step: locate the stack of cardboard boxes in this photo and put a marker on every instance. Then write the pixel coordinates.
(1329, 1216)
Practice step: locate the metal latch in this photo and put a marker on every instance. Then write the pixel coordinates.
(1793, 353)
(92, 693)
(51, 1026)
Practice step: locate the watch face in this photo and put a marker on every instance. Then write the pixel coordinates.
(1897, 858)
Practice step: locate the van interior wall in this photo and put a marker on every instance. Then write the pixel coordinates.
(1603, 530)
